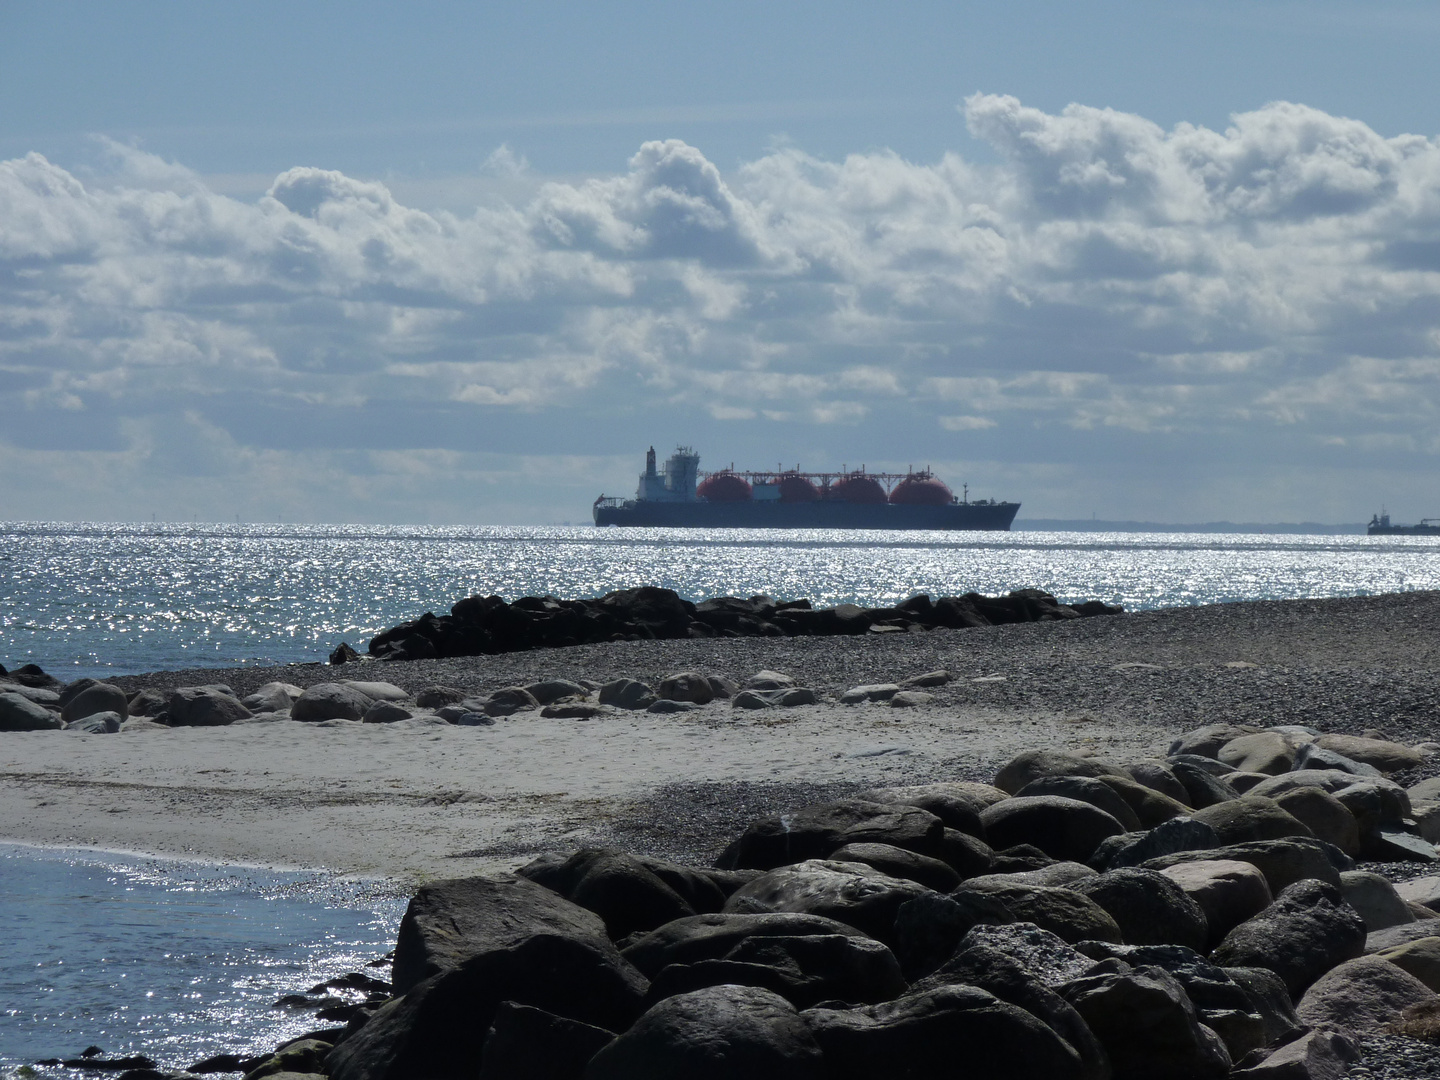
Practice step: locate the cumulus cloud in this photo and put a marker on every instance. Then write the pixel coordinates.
(1273, 284)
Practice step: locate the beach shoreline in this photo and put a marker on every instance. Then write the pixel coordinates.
(413, 804)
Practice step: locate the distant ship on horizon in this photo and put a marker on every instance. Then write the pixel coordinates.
(678, 495)
(1380, 526)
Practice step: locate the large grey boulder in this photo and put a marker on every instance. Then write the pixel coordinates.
(330, 701)
(378, 691)
(526, 1043)
(929, 928)
(687, 686)
(1308, 930)
(1202, 787)
(956, 804)
(510, 700)
(1086, 789)
(627, 694)
(1158, 776)
(1228, 891)
(438, 1027)
(1324, 815)
(816, 831)
(1061, 828)
(718, 1033)
(897, 862)
(1269, 998)
(1148, 907)
(1148, 1026)
(1375, 898)
(200, 706)
(96, 698)
(21, 714)
(272, 697)
(1315, 756)
(1317, 1055)
(1033, 764)
(546, 692)
(1062, 911)
(713, 936)
(1167, 838)
(1151, 807)
(448, 922)
(1283, 862)
(1420, 958)
(1250, 817)
(1361, 996)
(1382, 754)
(941, 1031)
(1008, 979)
(1264, 752)
(852, 893)
(1207, 741)
(104, 723)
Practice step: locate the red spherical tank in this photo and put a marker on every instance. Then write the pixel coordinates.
(921, 490)
(795, 488)
(858, 488)
(723, 487)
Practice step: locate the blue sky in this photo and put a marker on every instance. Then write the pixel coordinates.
(462, 263)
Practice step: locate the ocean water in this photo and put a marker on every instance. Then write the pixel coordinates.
(174, 961)
(83, 599)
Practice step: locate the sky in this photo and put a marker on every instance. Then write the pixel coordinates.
(461, 264)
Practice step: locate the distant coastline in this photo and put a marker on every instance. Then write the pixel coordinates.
(1301, 528)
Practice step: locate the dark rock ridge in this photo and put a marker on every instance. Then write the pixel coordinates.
(480, 625)
(864, 937)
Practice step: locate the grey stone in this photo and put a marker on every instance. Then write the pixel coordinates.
(858, 695)
(897, 862)
(553, 690)
(1157, 776)
(1167, 838)
(1315, 756)
(574, 710)
(1062, 828)
(272, 697)
(848, 892)
(96, 698)
(1283, 862)
(1384, 755)
(909, 699)
(1033, 764)
(1148, 907)
(1207, 741)
(1324, 815)
(712, 936)
(1317, 1055)
(378, 691)
(509, 701)
(769, 680)
(1308, 930)
(1202, 787)
(1375, 899)
(1250, 817)
(688, 686)
(21, 714)
(1420, 958)
(627, 694)
(1264, 752)
(1086, 789)
(438, 697)
(927, 679)
(1063, 911)
(103, 723)
(203, 706)
(329, 701)
(1228, 891)
(1270, 1000)
(1360, 996)
(668, 705)
(386, 712)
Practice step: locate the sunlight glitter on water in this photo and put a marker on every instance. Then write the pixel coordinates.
(115, 599)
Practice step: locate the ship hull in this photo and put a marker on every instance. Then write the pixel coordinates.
(1403, 530)
(974, 517)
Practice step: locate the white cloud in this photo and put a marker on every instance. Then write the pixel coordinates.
(1107, 276)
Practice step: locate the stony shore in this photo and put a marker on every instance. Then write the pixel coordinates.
(420, 799)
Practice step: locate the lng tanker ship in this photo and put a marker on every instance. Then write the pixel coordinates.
(678, 495)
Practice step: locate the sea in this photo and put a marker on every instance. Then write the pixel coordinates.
(179, 961)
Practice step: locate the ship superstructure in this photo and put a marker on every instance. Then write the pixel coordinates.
(677, 495)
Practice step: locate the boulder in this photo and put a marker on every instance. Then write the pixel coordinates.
(509, 701)
(1424, 891)
(1221, 1004)
(1158, 776)
(687, 686)
(718, 1033)
(1420, 958)
(1228, 891)
(151, 702)
(967, 855)
(1001, 974)
(1069, 915)
(437, 697)
(897, 862)
(858, 695)
(722, 688)
(769, 680)
(926, 679)
(815, 831)
(1061, 828)
(1055, 874)
(955, 804)
(1151, 807)
(526, 1043)
(553, 690)
(1263, 752)
(804, 969)
(573, 710)
(929, 928)
(1308, 930)
(272, 697)
(769, 699)
(1148, 1026)
(931, 1032)
(1392, 937)
(97, 697)
(21, 714)
(1382, 754)
(201, 706)
(851, 893)
(909, 699)
(1375, 898)
(448, 922)
(1270, 1000)
(1086, 789)
(624, 892)
(648, 611)
(664, 706)
(1207, 741)
(1167, 838)
(387, 712)
(1283, 862)
(627, 694)
(1033, 764)
(713, 936)
(104, 723)
(1324, 815)
(438, 1027)
(329, 701)
(1315, 756)
(378, 691)
(1250, 817)
(301, 1057)
(1202, 787)
(1148, 907)
(1317, 1055)
(1360, 996)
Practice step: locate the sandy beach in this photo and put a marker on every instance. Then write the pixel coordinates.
(410, 802)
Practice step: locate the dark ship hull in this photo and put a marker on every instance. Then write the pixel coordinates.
(989, 517)
(1380, 526)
